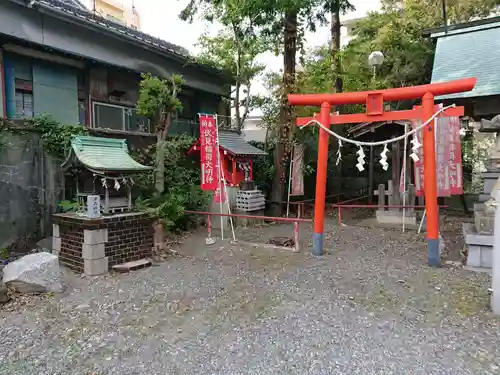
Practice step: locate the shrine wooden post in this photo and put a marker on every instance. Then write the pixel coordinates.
(374, 101)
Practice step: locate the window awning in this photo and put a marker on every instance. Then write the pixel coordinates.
(469, 52)
(103, 155)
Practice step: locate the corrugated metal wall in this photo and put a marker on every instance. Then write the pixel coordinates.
(55, 92)
(10, 88)
(55, 88)
(2, 87)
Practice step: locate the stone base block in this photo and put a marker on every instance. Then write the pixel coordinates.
(392, 217)
(56, 245)
(480, 256)
(472, 237)
(96, 251)
(92, 237)
(479, 247)
(483, 197)
(55, 230)
(478, 207)
(489, 180)
(484, 223)
(244, 222)
(95, 267)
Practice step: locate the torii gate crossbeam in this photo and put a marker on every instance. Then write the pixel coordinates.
(374, 101)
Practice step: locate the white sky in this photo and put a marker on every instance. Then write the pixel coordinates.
(160, 19)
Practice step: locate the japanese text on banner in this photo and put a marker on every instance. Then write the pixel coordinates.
(220, 194)
(208, 153)
(448, 158)
(454, 141)
(297, 171)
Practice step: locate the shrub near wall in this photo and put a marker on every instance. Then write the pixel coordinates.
(182, 185)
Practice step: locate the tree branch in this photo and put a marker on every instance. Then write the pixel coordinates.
(247, 105)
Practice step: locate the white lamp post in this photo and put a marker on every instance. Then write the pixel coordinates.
(375, 59)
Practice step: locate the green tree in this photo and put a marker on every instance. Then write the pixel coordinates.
(336, 8)
(397, 31)
(182, 186)
(158, 100)
(235, 51)
(431, 10)
(283, 22)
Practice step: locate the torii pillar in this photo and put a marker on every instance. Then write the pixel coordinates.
(374, 101)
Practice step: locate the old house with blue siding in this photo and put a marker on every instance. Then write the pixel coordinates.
(60, 59)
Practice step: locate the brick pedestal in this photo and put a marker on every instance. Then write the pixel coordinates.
(93, 246)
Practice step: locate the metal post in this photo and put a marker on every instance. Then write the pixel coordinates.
(220, 175)
(495, 275)
(209, 226)
(404, 176)
(296, 236)
(106, 200)
(129, 196)
(430, 185)
(321, 173)
(289, 183)
(370, 177)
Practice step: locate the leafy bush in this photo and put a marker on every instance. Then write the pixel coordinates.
(56, 136)
(68, 205)
(182, 185)
(263, 168)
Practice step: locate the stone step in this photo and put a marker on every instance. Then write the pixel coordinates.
(250, 203)
(478, 207)
(484, 223)
(249, 192)
(132, 266)
(490, 175)
(483, 197)
(251, 199)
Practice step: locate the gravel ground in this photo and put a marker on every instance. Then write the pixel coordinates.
(369, 306)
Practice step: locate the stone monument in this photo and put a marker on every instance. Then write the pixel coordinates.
(479, 236)
(394, 216)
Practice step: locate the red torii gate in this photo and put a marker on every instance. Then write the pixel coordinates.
(374, 101)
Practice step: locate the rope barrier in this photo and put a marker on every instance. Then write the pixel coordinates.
(383, 154)
(379, 143)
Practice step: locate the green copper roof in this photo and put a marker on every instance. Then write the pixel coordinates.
(466, 53)
(104, 154)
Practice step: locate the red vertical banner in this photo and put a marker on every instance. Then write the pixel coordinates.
(448, 158)
(419, 165)
(220, 194)
(455, 144)
(442, 156)
(297, 171)
(208, 153)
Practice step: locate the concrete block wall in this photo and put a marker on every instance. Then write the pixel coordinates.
(93, 246)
